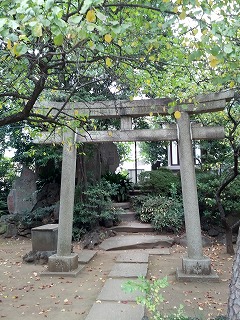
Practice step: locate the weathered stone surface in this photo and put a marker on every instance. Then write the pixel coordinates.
(22, 196)
(129, 270)
(92, 239)
(127, 216)
(44, 238)
(158, 251)
(135, 241)
(114, 310)
(3, 228)
(63, 263)
(85, 256)
(108, 154)
(201, 265)
(139, 257)
(48, 196)
(181, 276)
(133, 226)
(38, 257)
(11, 231)
(113, 291)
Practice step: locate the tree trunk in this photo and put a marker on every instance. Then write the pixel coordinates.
(233, 312)
(229, 243)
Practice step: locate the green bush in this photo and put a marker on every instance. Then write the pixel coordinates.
(169, 216)
(94, 209)
(164, 213)
(160, 181)
(36, 217)
(122, 184)
(207, 184)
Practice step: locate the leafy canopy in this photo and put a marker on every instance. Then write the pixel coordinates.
(171, 48)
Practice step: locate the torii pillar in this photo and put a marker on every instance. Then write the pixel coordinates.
(65, 261)
(195, 266)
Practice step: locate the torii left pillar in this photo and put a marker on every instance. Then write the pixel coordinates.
(65, 261)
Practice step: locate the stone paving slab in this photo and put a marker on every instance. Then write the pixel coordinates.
(112, 291)
(158, 251)
(115, 311)
(137, 257)
(135, 241)
(85, 256)
(128, 270)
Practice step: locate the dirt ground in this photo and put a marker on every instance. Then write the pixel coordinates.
(24, 294)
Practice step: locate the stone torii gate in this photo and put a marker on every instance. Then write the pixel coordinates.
(194, 266)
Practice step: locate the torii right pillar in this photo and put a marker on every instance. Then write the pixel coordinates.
(195, 266)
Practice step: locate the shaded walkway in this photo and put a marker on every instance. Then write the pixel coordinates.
(113, 302)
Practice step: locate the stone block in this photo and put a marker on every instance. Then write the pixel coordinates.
(196, 266)
(62, 263)
(181, 276)
(44, 238)
(22, 196)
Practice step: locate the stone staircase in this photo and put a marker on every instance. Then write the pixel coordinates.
(138, 242)
(133, 234)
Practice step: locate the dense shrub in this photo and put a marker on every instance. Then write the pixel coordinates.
(95, 209)
(164, 213)
(36, 217)
(160, 181)
(207, 184)
(121, 183)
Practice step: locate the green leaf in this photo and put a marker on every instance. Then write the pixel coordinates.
(37, 30)
(215, 50)
(228, 48)
(21, 49)
(49, 4)
(58, 40)
(76, 19)
(100, 16)
(194, 55)
(2, 22)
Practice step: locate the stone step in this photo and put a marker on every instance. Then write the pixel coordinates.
(137, 241)
(127, 216)
(123, 205)
(133, 227)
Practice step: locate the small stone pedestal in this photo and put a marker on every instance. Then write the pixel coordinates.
(198, 269)
(63, 266)
(63, 263)
(44, 238)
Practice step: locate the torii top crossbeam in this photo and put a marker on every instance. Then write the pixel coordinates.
(126, 110)
(137, 108)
